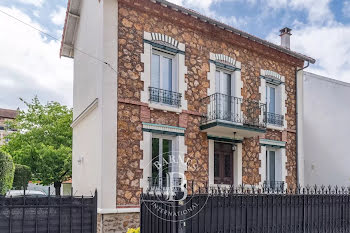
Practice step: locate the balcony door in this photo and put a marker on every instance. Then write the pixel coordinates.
(224, 93)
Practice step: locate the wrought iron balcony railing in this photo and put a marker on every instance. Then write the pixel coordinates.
(233, 109)
(275, 119)
(274, 185)
(164, 97)
(164, 184)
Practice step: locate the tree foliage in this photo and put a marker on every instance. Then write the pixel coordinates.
(43, 141)
(6, 172)
(23, 175)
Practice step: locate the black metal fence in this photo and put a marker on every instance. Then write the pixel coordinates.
(234, 109)
(50, 214)
(316, 210)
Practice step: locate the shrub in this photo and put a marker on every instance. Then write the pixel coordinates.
(23, 175)
(7, 169)
(131, 230)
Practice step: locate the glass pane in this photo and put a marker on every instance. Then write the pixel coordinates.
(155, 160)
(272, 99)
(217, 82)
(228, 166)
(155, 71)
(226, 87)
(272, 166)
(167, 67)
(216, 165)
(167, 148)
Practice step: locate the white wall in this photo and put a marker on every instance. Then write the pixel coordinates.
(326, 131)
(94, 134)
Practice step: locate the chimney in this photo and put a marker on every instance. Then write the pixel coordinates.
(285, 37)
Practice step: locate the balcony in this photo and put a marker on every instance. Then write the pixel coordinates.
(275, 119)
(164, 97)
(228, 114)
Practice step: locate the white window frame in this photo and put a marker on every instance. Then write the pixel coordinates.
(268, 99)
(161, 137)
(279, 151)
(222, 72)
(179, 148)
(280, 98)
(267, 173)
(180, 69)
(174, 78)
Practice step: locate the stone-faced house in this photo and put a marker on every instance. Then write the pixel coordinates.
(5, 115)
(152, 78)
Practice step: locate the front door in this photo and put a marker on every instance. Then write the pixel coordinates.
(223, 163)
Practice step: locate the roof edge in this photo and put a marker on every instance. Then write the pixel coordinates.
(234, 30)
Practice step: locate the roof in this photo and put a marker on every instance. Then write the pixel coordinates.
(67, 46)
(8, 113)
(70, 27)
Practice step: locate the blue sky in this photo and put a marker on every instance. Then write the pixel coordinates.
(30, 63)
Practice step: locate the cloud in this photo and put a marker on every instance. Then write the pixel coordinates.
(328, 45)
(37, 3)
(30, 64)
(199, 4)
(318, 11)
(58, 16)
(346, 9)
(205, 7)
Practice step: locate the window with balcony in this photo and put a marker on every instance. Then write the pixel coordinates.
(224, 87)
(164, 81)
(272, 92)
(164, 73)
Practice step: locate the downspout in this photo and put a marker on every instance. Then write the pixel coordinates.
(296, 121)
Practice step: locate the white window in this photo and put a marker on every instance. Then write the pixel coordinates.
(164, 81)
(224, 94)
(163, 71)
(162, 152)
(273, 169)
(271, 98)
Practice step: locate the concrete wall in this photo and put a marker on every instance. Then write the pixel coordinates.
(95, 102)
(326, 131)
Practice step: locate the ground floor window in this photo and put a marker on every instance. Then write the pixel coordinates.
(162, 147)
(223, 163)
(273, 169)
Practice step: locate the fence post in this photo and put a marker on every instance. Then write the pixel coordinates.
(94, 213)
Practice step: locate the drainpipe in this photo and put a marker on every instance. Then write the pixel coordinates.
(296, 121)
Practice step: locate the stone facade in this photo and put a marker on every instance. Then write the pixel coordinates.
(200, 39)
(117, 223)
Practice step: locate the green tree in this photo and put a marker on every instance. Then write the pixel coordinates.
(23, 175)
(6, 172)
(43, 141)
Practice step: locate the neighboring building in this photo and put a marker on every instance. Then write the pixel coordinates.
(326, 131)
(176, 82)
(5, 115)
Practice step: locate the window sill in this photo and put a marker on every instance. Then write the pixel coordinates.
(164, 107)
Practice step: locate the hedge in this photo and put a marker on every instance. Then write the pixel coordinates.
(23, 175)
(7, 169)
